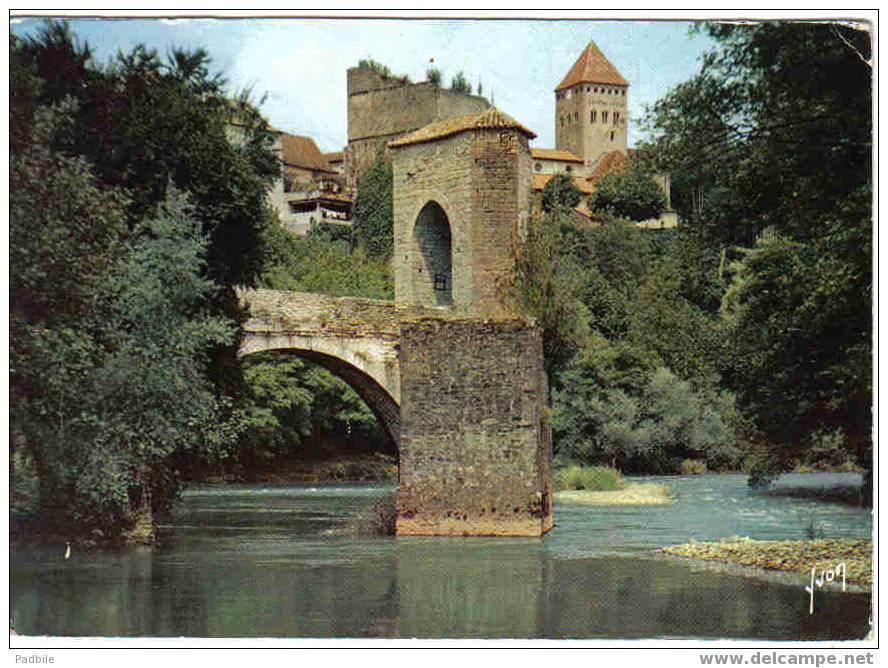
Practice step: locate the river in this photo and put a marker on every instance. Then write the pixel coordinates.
(254, 561)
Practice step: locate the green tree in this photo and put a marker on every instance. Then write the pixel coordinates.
(560, 191)
(801, 357)
(373, 210)
(319, 263)
(148, 124)
(649, 431)
(775, 133)
(123, 367)
(433, 74)
(628, 193)
(295, 407)
(110, 333)
(460, 84)
(550, 280)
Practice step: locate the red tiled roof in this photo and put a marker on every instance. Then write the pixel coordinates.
(539, 181)
(592, 67)
(492, 118)
(554, 154)
(607, 162)
(303, 152)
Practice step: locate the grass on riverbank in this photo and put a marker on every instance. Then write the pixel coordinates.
(589, 478)
(796, 556)
(631, 494)
(604, 486)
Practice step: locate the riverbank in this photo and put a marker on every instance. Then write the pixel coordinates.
(631, 494)
(374, 467)
(797, 556)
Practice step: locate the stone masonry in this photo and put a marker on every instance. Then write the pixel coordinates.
(381, 109)
(475, 440)
(451, 368)
(474, 447)
(479, 178)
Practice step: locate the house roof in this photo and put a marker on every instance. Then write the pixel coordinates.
(335, 156)
(607, 162)
(554, 154)
(592, 67)
(302, 152)
(490, 119)
(539, 181)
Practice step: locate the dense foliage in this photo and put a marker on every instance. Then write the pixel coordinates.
(628, 193)
(774, 137)
(297, 409)
(632, 344)
(373, 212)
(560, 191)
(433, 74)
(132, 212)
(320, 263)
(744, 337)
(109, 334)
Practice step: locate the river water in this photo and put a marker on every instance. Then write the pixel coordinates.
(254, 561)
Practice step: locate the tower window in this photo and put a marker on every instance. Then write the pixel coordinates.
(576, 117)
(538, 166)
(624, 92)
(612, 136)
(604, 117)
(593, 116)
(616, 117)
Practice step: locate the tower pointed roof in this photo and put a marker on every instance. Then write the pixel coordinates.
(592, 67)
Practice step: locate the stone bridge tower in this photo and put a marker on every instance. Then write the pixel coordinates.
(451, 368)
(475, 444)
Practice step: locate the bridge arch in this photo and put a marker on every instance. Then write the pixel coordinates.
(378, 399)
(356, 340)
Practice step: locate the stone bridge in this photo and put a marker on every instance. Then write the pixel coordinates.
(355, 339)
(452, 368)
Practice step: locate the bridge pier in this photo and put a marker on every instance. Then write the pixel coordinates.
(475, 446)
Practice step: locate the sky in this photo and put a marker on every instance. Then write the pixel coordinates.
(299, 65)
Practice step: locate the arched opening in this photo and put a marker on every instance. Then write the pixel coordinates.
(317, 413)
(432, 235)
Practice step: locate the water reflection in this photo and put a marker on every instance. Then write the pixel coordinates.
(250, 562)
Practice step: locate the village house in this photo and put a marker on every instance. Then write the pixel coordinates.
(591, 137)
(310, 191)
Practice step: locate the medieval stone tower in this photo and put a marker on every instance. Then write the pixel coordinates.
(591, 108)
(475, 445)
(381, 108)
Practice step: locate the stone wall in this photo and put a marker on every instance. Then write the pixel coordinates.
(475, 444)
(500, 212)
(381, 109)
(439, 172)
(481, 179)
